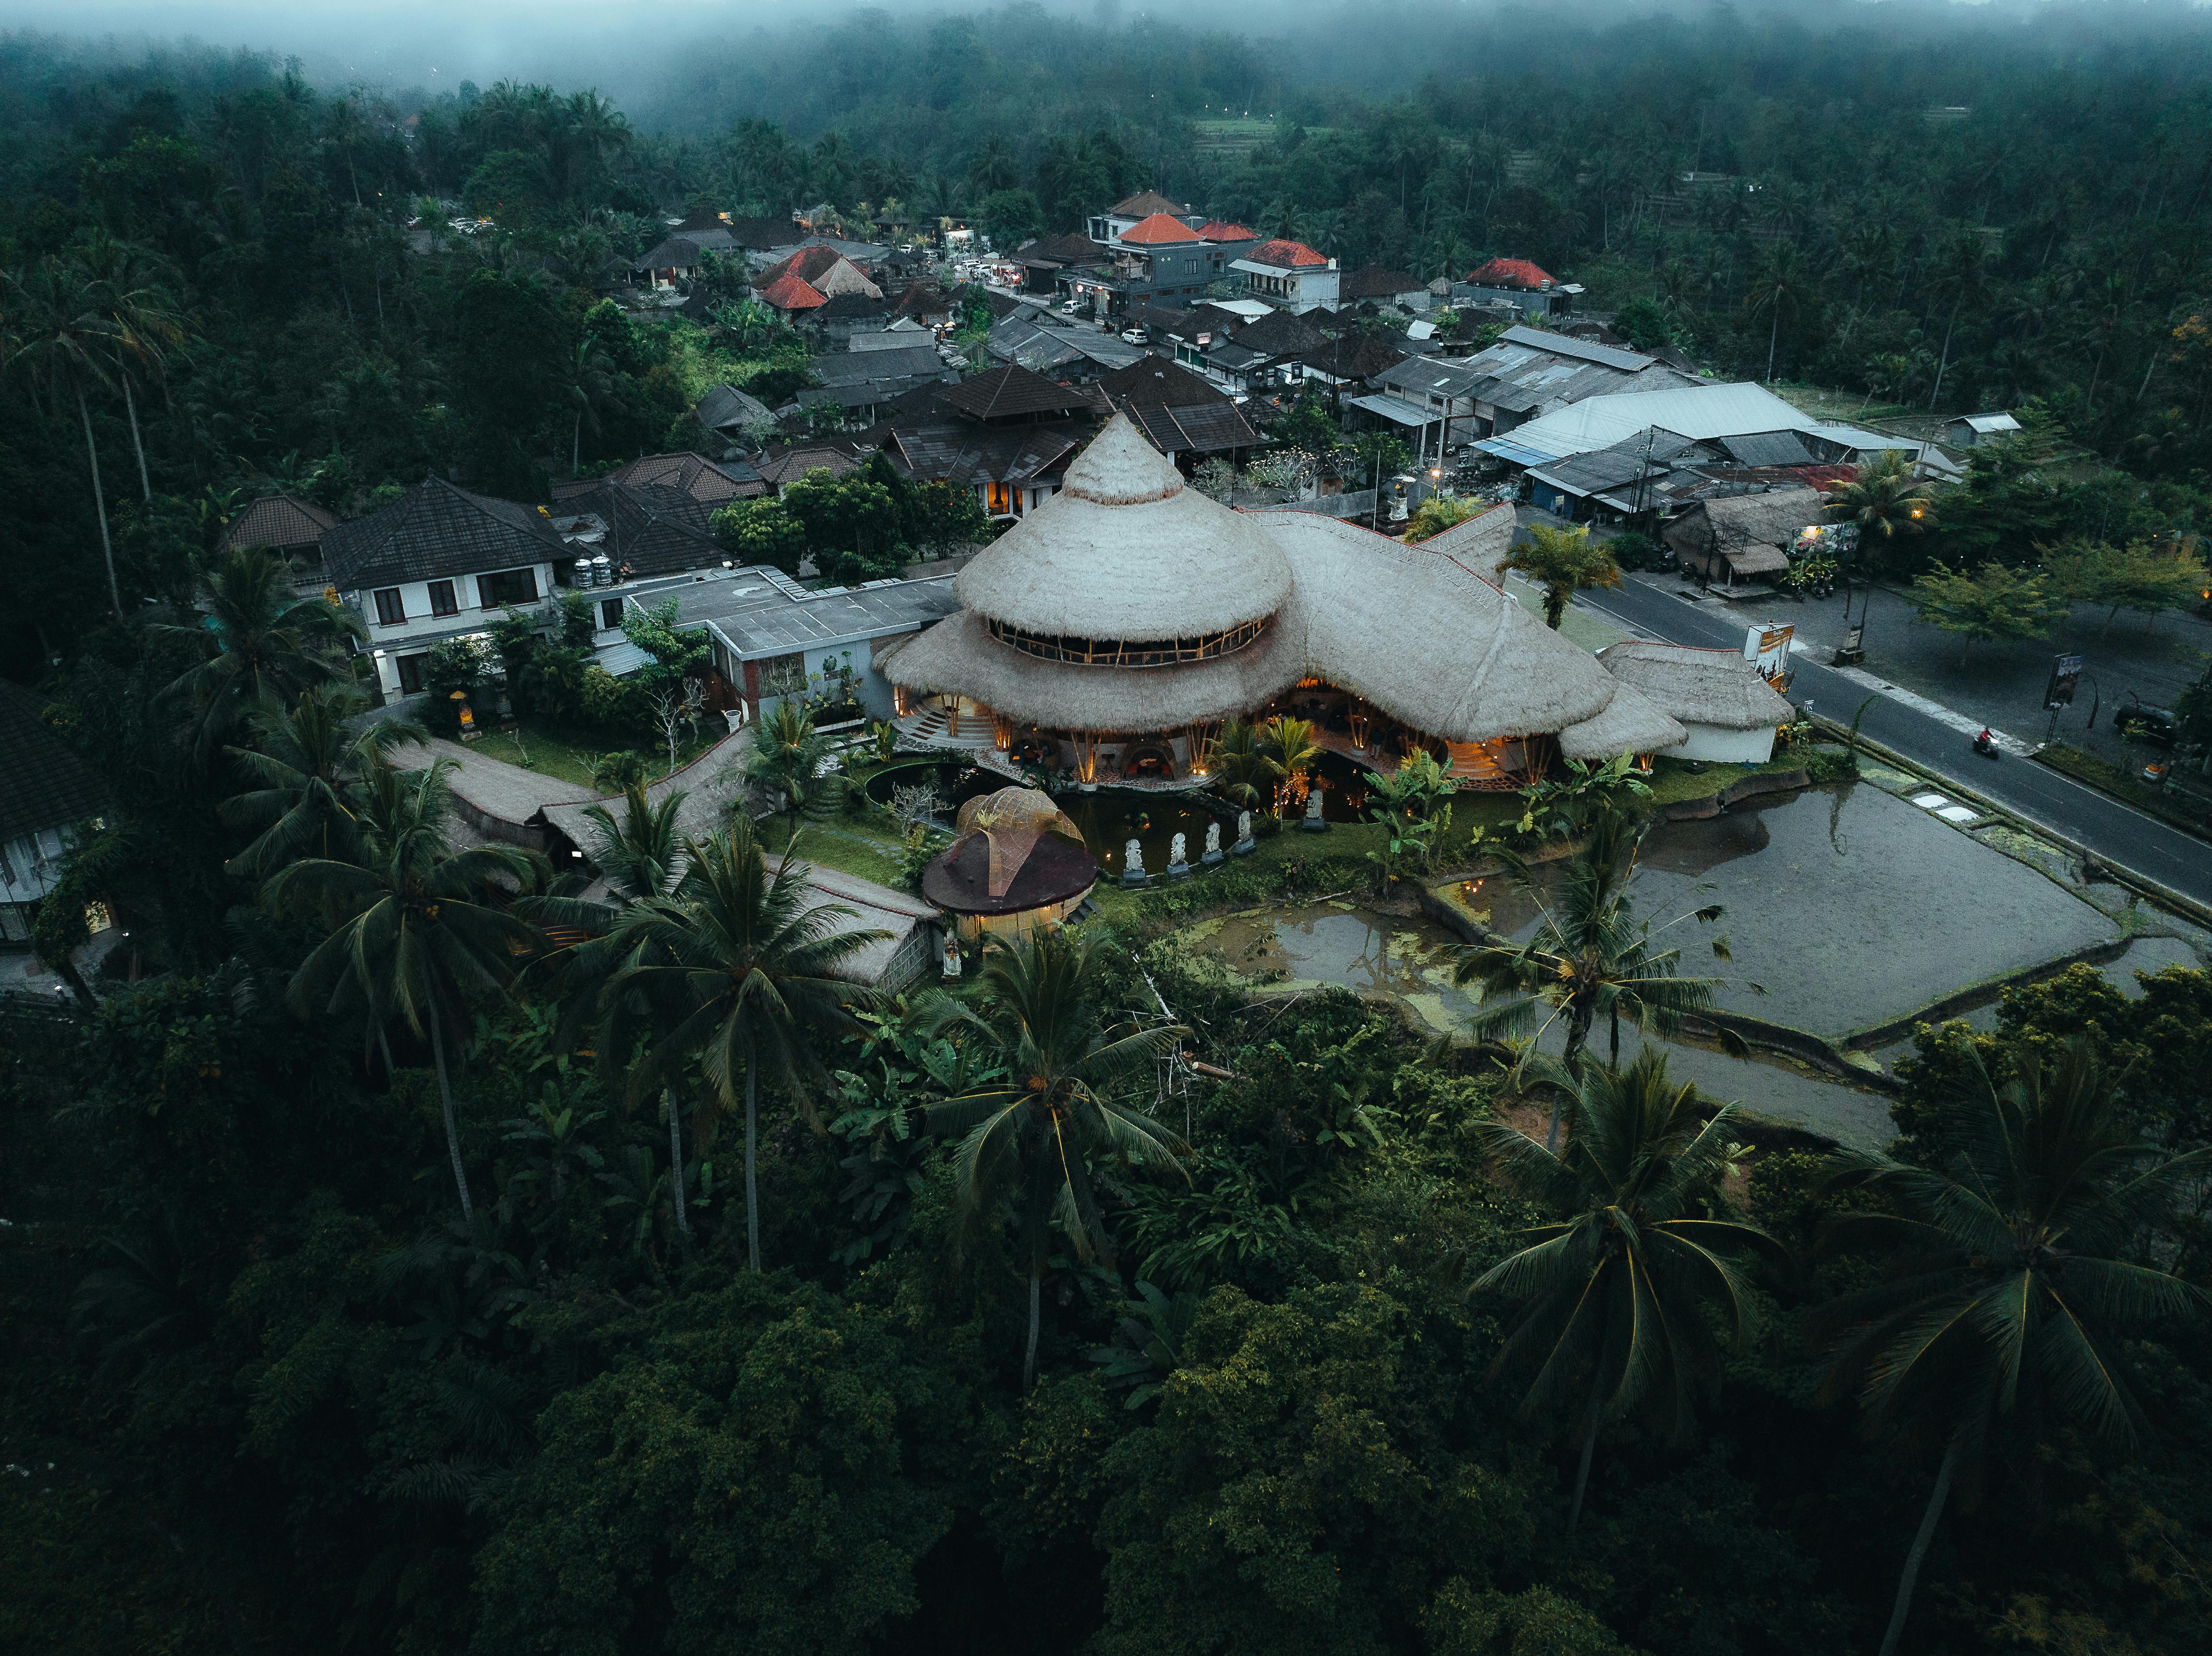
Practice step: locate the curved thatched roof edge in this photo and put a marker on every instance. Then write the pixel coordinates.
(1718, 688)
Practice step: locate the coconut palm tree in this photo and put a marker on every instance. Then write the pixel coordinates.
(788, 753)
(1027, 1142)
(1618, 1283)
(416, 927)
(1588, 956)
(1239, 764)
(642, 855)
(1884, 499)
(735, 967)
(1562, 561)
(2009, 1268)
(59, 341)
(584, 385)
(263, 639)
(1287, 751)
(1778, 288)
(310, 767)
(127, 289)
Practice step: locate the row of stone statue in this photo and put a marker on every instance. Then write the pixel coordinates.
(1132, 865)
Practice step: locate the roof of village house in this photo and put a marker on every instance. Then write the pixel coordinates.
(1354, 356)
(1016, 850)
(1697, 411)
(1752, 532)
(1159, 382)
(49, 785)
(1069, 249)
(1144, 204)
(778, 466)
(824, 269)
(1125, 551)
(1194, 429)
(1510, 273)
(921, 299)
(1378, 281)
(655, 529)
(919, 361)
(706, 481)
(790, 293)
(1289, 255)
(1221, 230)
(1698, 687)
(1279, 334)
(281, 521)
(1011, 391)
(435, 530)
(758, 235)
(962, 451)
(1158, 229)
(725, 408)
(679, 252)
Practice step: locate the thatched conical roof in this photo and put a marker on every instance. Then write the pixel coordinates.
(1629, 724)
(1125, 551)
(1706, 687)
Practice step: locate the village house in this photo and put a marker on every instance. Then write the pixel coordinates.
(50, 792)
(438, 564)
(1516, 282)
(1107, 227)
(1744, 535)
(862, 382)
(1042, 258)
(1528, 372)
(1076, 354)
(1186, 417)
(1008, 434)
(739, 418)
(1379, 285)
(1289, 273)
(289, 526)
(1971, 430)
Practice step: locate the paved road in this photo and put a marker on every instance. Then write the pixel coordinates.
(2116, 832)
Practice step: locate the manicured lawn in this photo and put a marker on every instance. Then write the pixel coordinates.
(1673, 780)
(565, 756)
(859, 846)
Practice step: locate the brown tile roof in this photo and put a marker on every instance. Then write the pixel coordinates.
(922, 299)
(281, 521)
(1289, 255)
(1378, 281)
(1355, 356)
(1158, 382)
(435, 530)
(1159, 230)
(1069, 249)
(790, 293)
(1011, 391)
(693, 474)
(1220, 230)
(1279, 334)
(960, 451)
(654, 529)
(806, 264)
(1143, 205)
(1206, 429)
(49, 786)
(778, 466)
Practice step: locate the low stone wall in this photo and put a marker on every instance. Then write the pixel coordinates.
(1744, 787)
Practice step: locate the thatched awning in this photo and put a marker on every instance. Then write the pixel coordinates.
(1716, 688)
(1481, 543)
(1629, 724)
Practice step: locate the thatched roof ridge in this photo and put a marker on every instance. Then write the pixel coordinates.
(1480, 542)
(1737, 525)
(1125, 551)
(1629, 724)
(1700, 687)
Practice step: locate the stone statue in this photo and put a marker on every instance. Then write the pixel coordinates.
(951, 956)
(1313, 824)
(1213, 845)
(1133, 864)
(1243, 847)
(1177, 868)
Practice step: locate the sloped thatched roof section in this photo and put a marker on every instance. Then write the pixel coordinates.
(1125, 551)
(1698, 687)
(1481, 543)
(1746, 524)
(1629, 724)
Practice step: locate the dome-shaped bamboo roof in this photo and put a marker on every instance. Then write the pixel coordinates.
(1125, 551)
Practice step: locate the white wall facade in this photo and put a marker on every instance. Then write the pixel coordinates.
(421, 626)
(1725, 746)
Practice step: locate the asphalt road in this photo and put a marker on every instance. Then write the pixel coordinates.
(2117, 833)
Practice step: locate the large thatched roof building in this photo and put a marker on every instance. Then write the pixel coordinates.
(1116, 626)
(1724, 703)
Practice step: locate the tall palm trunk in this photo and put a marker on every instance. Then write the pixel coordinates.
(752, 1181)
(106, 546)
(445, 1098)
(1029, 1354)
(576, 445)
(1912, 1559)
(1944, 361)
(130, 406)
(1589, 1430)
(1773, 337)
(676, 1160)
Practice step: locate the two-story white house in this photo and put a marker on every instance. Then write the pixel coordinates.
(1290, 274)
(439, 563)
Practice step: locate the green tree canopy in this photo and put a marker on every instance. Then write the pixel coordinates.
(1993, 603)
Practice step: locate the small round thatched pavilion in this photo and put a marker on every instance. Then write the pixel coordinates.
(1016, 863)
(1112, 629)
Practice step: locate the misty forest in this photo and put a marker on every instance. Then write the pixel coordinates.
(401, 1252)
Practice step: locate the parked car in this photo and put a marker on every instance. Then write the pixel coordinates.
(2136, 722)
(1135, 336)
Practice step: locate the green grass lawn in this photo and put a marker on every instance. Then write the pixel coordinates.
(865, 846)
(563, 755)
(1673, 781)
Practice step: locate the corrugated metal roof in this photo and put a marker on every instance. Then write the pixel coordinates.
(1395, 409)
(1518, 454)
(622, 659)
(1562, 345)
(1701, 411)
(1854, 437)
(1767, 448)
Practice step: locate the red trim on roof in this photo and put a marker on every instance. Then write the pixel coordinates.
(1289, 255)
(1158, 228)
(1511, 273)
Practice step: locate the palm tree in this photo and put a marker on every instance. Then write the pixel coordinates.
(1618, 1285)
(1884, 499)
(1239, 764)
(642, 855)
(126, 290)
(994, 166)
(735, 966)
(1779, 288)
(1588, 955)
(264, 641)
(2009, 1266)
(583, 384)
(1287, 751)
(58, 339)
(1027, 1141)
(310, 767)
(1957, 273)
(788, 753)
(1562, 561)
(416, 927)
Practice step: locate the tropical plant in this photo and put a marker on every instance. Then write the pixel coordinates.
(641, 856)
(1619, 1286)
(1412, 804)
(417, 928)
(1288, 752)
(1561, 806)
(127, 289)
(788, 753)
(1028, 1142)
(61, 342)
(1589, 958)
(2009, 1268)
(1147, 1343)
(310, 766)
(263, 642)
(1434, 516)
(735, 968)
(614, 772)
(1239, 765)
(1562, 561)
(1778, 288)
(1993, 603)
(1884, 500)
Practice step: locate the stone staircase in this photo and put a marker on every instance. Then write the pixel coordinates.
(927, 729)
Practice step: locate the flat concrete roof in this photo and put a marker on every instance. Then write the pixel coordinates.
(760, 612)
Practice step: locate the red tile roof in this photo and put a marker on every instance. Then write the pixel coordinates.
(1157, 229)
(1510, 273)
(792, 293)
(1222, 230)
(1288, 254)
(806, 263)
